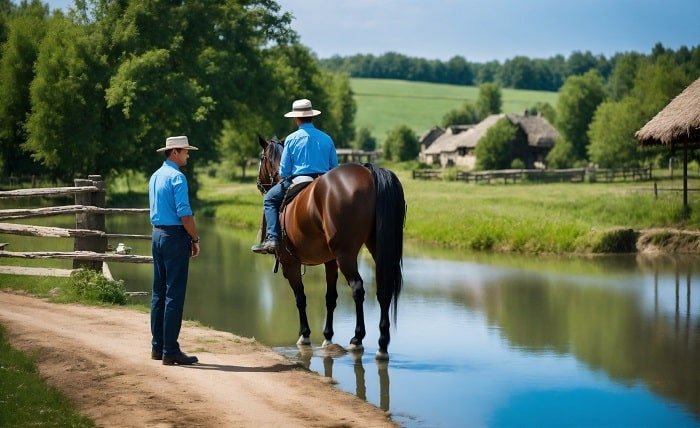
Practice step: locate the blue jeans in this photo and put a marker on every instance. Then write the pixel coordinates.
(272, 202)
(171, 258)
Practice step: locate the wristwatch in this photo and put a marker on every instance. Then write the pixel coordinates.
(195, 241)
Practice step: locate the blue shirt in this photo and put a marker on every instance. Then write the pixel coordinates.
(307, 151)
(167, 195)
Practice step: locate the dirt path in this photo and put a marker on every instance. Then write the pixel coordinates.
(100, 358)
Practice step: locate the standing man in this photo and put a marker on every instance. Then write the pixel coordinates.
(174, 241)
(307, 151)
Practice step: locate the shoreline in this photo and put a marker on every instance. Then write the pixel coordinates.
(100, 359)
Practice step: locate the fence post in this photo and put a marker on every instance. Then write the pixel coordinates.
(91, 221)
(656, 191)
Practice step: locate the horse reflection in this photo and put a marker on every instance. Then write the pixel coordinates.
(328, 358)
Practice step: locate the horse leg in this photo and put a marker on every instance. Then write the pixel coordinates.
(331, 300)
(293, 275)
(384, 299)
(348, 266)
(384, 303)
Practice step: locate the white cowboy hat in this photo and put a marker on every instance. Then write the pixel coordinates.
(302, 108)
(177, 143)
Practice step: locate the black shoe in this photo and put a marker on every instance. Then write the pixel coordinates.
(155, 355)
(181, 359)
(267, 247)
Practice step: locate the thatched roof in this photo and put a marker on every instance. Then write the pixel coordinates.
(430, 136)
(678, 122)
(540, 133)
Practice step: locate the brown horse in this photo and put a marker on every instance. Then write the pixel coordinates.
(328, 222)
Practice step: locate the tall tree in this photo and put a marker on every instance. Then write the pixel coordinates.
(64, 128)
(489, 100)
(401, 144)
(494, 149)
(464, 115)
(26, 30)
(152, 69)
(578, 100)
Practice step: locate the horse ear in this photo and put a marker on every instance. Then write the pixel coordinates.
(262, 142)
(277, 140)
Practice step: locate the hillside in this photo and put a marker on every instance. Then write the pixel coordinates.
(383, 104)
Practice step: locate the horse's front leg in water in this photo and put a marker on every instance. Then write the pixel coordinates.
(331, 300)
(293, 275)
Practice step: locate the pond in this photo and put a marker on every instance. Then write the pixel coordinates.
(481, 340)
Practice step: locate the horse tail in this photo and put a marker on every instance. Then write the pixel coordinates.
(390, 216)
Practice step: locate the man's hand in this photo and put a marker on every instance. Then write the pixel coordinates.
(195, 250)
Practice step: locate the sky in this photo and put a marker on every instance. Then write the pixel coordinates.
(486, 30)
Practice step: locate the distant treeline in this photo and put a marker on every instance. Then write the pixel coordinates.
(519, 72)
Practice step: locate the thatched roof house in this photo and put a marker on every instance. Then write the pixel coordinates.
(456, 146)
(677, 123)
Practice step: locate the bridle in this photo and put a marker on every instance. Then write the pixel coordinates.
(267, 165)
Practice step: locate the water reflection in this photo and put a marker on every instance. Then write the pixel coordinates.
(496, 340)
(329, 358)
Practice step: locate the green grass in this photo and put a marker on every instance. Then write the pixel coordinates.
(26, 399)
(383, 104)
(84, 286)
(524, 218)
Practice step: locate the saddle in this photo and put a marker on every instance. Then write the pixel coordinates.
(299, 183)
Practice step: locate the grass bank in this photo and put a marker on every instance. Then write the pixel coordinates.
(26, 399)
(524, 218)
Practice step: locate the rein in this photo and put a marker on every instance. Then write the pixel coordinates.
(268, 163)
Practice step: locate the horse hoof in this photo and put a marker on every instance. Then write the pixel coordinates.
(326, 343)
(353, 347)
(303, 341)
(382, 356)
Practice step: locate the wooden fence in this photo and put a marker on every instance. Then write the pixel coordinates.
(575, 175)
(90, 237)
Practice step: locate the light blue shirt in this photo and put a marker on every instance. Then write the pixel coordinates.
(307, 151)
(167, 195)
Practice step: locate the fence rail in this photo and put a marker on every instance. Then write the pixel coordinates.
(90, 236)
(575, 175)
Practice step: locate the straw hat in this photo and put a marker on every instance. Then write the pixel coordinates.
(302, 108)
(177, 143)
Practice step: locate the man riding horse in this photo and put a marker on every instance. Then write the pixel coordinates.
(307, 152)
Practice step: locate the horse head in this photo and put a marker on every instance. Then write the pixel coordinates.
(268, 168)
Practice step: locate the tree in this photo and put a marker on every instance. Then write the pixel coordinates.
(365, 141)
(612, 135)
(341, 108)
(494, 149)
(64, 128)
(461, 116)
(26, 30)
(489, 100)
(562, 154)
(578, 100)
(621, 79)
(545, 109)
(132, 73)
(401, 144)
(6, 8)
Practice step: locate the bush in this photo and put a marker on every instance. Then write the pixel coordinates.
(90, 286)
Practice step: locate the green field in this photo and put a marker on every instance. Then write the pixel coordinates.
(383, 104)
